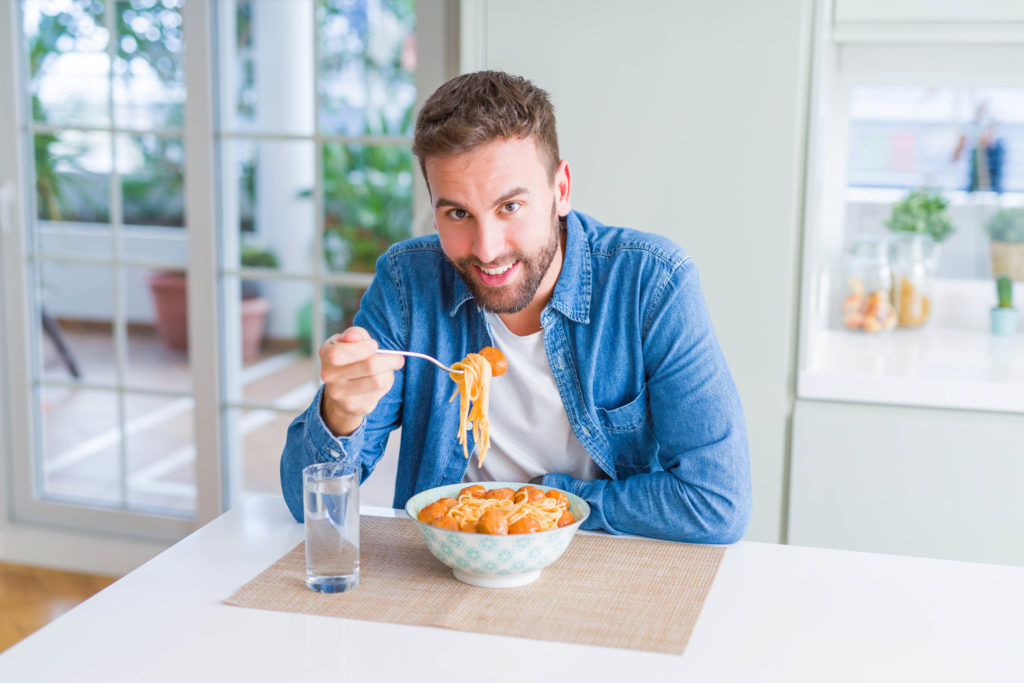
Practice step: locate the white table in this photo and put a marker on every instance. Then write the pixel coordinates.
(775, 613)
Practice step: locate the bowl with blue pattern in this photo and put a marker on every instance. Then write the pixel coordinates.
(493, 561)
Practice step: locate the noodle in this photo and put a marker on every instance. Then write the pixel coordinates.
(474, 385)
(468, 510)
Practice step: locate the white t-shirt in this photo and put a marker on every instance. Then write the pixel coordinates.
(530, 433)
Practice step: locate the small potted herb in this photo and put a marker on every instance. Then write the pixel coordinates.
(919, 222)
(1006, 230)
(1004, 316)
(922, 212)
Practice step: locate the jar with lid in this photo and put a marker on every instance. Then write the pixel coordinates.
(913, 266)
(867, 300)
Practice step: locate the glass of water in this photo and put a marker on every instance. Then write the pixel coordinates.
(330, 493)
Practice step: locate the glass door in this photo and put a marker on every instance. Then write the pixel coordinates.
(172, 263)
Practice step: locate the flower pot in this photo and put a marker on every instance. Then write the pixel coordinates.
(170, 301)
(1004, 320)
(254, 321)
(1007, 259)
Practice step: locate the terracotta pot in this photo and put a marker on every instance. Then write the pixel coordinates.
(170, 300)
(254, 320)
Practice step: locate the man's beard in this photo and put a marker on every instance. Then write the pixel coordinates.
(512, 298)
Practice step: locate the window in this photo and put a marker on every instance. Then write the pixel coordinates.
(176, 290)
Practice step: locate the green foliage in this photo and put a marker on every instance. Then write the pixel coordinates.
(1006, 225)
(255, 256)
(922, 211)
(1004, 290)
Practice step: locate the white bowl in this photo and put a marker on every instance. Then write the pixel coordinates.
(493, 561)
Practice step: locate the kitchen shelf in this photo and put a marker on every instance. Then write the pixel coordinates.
(953, 361)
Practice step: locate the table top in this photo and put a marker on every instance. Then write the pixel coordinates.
(774, 613)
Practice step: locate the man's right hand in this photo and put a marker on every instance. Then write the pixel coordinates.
(355, 378)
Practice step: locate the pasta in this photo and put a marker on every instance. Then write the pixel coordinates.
(500, 511)
(474, 390)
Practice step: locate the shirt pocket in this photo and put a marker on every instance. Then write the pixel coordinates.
(630, 434)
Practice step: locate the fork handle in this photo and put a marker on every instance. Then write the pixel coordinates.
(420, 355)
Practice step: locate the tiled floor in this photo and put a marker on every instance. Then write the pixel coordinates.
(81, 433)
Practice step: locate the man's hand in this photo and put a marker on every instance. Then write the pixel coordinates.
(355, 378)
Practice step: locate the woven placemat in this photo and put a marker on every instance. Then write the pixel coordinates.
(615, 592)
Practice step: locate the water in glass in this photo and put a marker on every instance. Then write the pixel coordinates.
(332, 529)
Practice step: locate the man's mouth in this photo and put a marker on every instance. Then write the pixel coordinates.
(497, 275)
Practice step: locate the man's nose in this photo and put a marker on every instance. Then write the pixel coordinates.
(490, 240)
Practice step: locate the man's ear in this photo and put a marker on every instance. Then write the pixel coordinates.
(563, 189)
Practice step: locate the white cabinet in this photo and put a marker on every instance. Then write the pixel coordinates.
(909, 481)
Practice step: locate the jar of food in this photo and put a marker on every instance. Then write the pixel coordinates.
(867, 300)
(913, 266)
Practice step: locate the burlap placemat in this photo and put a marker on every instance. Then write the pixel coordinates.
(614, 592)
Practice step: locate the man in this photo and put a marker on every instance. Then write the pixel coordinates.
(616, 390)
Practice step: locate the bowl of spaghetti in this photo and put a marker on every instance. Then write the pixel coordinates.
(497, 557)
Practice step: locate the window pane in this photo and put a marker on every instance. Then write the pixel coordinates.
(68, 62)
(366, 80)
(149, 75)
(81, 445)
(161, 453)
(72, 176)
(265, 74)
(946, 137)
(339, 306)
(152, 180)
(267, 198)
(262, 435)
(367, 203)
(75, 330)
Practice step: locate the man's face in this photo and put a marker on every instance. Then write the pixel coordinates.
(496, 209)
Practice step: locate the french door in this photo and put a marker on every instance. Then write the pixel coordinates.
(192, 195)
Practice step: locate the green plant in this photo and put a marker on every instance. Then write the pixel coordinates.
(255, 256)
(1004, 290)
(1006, 225)
(922, 211)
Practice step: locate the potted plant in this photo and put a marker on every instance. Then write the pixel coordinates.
(919, 221)
(170, 302)
(255, 306)
(1004, 316)
(1006, 230)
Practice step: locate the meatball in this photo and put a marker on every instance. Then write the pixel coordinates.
(432, 512)
(500, 494)
(497, 360)
(492, 522)
(524, 525)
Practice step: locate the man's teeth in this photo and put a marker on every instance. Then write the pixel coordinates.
(499, 270)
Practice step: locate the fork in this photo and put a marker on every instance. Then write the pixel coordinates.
(423, 356)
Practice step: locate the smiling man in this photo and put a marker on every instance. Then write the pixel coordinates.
(616, 389)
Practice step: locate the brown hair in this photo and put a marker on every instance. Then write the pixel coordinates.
(476, 108)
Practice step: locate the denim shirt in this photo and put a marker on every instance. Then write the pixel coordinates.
(630, 344)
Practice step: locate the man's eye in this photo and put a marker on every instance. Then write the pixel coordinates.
(511, 207)
(457, 214)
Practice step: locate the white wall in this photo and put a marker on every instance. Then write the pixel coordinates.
(686, 119)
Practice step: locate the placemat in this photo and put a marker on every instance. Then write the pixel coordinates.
(628, 593)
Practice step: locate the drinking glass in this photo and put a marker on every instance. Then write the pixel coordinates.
(330, 494)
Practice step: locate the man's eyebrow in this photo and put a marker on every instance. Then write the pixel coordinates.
(514, 192)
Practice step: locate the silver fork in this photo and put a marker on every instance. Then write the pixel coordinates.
(420, 355)
(414, 354)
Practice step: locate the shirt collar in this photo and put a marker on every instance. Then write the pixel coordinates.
(572, 291)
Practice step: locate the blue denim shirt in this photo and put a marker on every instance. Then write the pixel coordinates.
(630, 344)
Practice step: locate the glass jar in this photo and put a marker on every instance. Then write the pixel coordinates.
(913, 266)
(867, 300)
